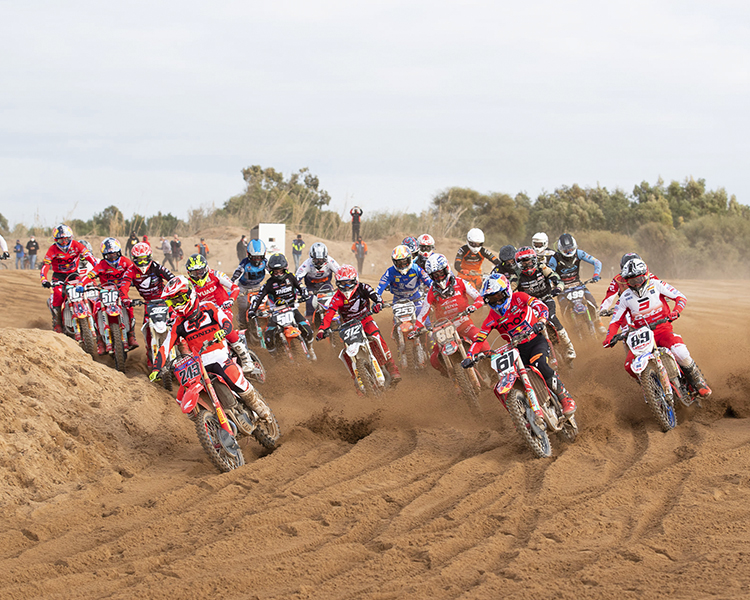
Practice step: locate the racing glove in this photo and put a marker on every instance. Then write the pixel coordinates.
(322, 334)
(538, 327)
(6, 255)
(251, 313)
(556, 291)
(595, 278)
(674, 315)
(227, 305)
(46, 284)
(220, 335)
(467, 362)
(377, 307)
(79, 289)
(470, 309)
(608, 341)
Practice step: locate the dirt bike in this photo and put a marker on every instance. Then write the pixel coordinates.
(411, 350)
(320, 301)
(452, 352)
(220, 417)
(113, 324)
(370, 377)
(659, 374)
(288, 334)
(522, 391)
(77, 313)
(158, 321)
(258, 322)
(577, 310)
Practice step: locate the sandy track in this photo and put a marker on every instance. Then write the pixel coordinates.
(107, 493)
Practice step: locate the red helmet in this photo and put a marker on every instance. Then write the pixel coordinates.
(141, 255)
(180, 295)
(526, 260)
(347, 280)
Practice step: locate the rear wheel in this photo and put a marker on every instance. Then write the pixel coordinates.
(260, 376)
(657, 399)
(517, 407)
(87, 337)
(118, 348)
(209, 433)
(570, 429)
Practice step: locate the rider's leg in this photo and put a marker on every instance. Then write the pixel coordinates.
(570, 352)
(304, 326)
(536, 353)
(666, 338)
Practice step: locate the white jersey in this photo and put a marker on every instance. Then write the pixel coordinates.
(3, 244)
(309, 274)
(650, 305)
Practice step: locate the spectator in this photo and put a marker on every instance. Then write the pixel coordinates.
(356, 213)
(145, 240)
(32, 247)
(176, 252)
(298, 245)
(166, 248)
(242, 248)
(360, 251)
(18, 249)
(202, 249)
(132, 241)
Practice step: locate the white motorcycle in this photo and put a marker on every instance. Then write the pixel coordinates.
(410, 348)
(158, 321)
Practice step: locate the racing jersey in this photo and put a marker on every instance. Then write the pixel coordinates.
(151, 283)
(524, 311)
(356, 307)
(315, 277)
(421, 261)
(403, 286)
(280, 293)
(65, 261)
(616, 287)
(544, 256)
(650, 306)
(468, 261)
(508, 268)
(218, 288)
(463, 294)
(248, 274)
(568, 268)
(113, 274)
(212, 319)
(539, 284)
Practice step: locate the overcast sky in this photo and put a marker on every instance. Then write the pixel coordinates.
(159, 105)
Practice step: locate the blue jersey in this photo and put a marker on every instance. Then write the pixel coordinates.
(249, 275)
(404, 286)
(568, 267)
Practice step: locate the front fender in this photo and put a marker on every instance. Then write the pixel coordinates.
(639, 363)
(188, 399)
(506, 382)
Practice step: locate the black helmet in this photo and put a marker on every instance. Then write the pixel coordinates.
(567, 245)
(507, 253)
(626, 257)
(277, 266)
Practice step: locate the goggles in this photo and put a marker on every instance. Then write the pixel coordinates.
(346, 284)
(141, 261)
(426, 248)
(538, 244)
(637, 281)
(178, 300)
(496, 298)
(474, 246)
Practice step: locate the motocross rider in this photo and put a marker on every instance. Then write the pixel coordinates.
(616, 287)
(403, 279)
(352, 301)
(541, 282)
(449, 296)
(425, 247)
(471, 255)
(413, 246)
(251, 272)
(517, 313)
(507, 266)
(566, 262)
(63, 258)
(113, 270)
(645, 301)
(315, 272)
(282, 289)
(540, 242)
(196, 322)
(148, 277)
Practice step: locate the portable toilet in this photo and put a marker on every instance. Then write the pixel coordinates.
(273, 235)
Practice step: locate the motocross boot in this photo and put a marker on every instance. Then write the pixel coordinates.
(600, 326)
(568, 404)
(393, 370)
(252, 399)
(132, 343)
(570, 352)
(695, 377)
(102, 349)
(248, 366)
(57, 319)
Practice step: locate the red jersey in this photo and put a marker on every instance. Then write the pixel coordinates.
(463, 295)
(65, 261)
(218, 288)
(524, 311)
(357, 307)
(113, 274)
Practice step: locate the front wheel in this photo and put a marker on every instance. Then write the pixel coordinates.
(118, 348)
(210, 435)
(658, 400)
(517, 407)
(366, 375)
(88, 338)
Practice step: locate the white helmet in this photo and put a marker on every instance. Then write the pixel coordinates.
(439, 270)
(540, 242)
(319, 254)
(475, 239)
(425, 245)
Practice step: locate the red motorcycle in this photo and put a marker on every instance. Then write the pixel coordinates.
(77, 313)
(113, 324)
(220, 416)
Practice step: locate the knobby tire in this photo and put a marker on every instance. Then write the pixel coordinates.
(88, 338)
(207, 427)
(516, 403)
(656, 398)
(118, 348)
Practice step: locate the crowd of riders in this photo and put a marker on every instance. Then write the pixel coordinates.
(525, 292)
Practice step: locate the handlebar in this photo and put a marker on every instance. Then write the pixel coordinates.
(581, 284)
(624, 333)
(513, 343)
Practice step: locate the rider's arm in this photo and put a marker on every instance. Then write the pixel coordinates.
(552, 262)
(426, 305)
(610, 297)
(424, 278)
(459, 258)
(554, 279)
(473, 292)
(333, 307)
(230, 286)
(480, 342)
(239, 270)
(162, 272)
(257, 300)
(538, 307)
(385, 281)
(667, 290)
(302, 271)
(585, 257)
(489, 256)
(333, 265)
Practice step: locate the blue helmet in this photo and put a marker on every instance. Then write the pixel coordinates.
(497, 293)
(411, 243)
(256, 252)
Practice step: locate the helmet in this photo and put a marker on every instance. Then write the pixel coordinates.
(507, 253)
(566, 245)
(180, 295)
(256, 252)
(412, 244)
(426, 244)
(111, 250)
(347, 280)
(401, 257)
(626, 257)
(197, 269)
(86, 245)
(635, 273)
(497, 293)
(526, 260)
(63, 236)
(319, 254)
(475, 239)
(277, 265)
(141, 255)
(540, 241)
(440, 272)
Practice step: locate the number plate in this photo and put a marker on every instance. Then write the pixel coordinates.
(444, 334)
(404, 309)
(73, 294)
(156, 310)
(575, 295)
(353, 334)
(187, 370)
(92, 293)
(503, 363)
(285, 318)
(110, 297)
(640, 340)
